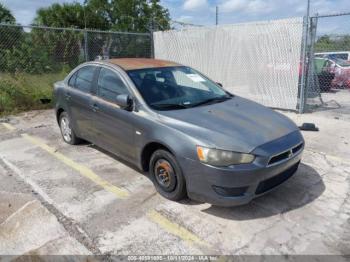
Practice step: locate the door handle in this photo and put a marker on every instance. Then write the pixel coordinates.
(95, 108)
(67, 96)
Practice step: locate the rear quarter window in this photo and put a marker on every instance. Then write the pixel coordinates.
(71, 81)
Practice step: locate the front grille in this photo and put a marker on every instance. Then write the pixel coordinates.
(285, 155)
(297, 148)
(279, 157)
(230, 191)
(274, 181)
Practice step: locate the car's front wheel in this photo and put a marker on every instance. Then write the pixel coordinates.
(167, 175)
(67, 132)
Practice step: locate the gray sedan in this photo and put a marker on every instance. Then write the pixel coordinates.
(194, 138)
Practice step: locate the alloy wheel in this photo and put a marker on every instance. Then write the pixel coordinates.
(65, 129)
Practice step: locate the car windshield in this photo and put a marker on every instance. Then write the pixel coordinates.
(180, 87)
(341, 62)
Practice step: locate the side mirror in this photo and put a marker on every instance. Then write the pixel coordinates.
(219, 84)
(124, 101)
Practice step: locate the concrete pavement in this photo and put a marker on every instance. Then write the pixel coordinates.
(62, 199)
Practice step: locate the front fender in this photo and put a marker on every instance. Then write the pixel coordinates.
(179, 144)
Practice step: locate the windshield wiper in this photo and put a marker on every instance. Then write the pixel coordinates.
(212, 100)
(169, 106)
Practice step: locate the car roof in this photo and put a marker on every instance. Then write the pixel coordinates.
(336, 52)
(140, 63)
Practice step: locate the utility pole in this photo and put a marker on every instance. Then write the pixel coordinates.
(217, 15)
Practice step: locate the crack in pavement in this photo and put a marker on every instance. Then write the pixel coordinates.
(70, 225)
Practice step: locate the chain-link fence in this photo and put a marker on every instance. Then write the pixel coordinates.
(36, 49)
(328, 63)
(260, 60)
(32, 58)
(281, 63)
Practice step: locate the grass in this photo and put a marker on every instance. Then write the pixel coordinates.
(21, 91)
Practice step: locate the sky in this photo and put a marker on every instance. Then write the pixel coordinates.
(230, 11)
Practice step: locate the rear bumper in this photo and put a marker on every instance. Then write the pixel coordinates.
(236, 185)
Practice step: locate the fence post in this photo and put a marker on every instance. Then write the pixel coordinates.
(303, 77)
(152, 38)
(86, 45)
(152, 45)
(310, 81)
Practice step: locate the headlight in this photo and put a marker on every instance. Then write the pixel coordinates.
(216, 157)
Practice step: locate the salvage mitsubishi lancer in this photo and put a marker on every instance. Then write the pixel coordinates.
(194, 138)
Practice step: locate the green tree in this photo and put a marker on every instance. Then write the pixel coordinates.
(328, 43)
(118, 15)
(70, 15)
(134, 15)
(114, 15)
(63, 47)
(160, 14)
(11, 36)
(6, 16)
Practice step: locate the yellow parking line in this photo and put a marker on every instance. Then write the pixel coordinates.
(155, 216)
(83, 170)
(175, 229)
(9, 126)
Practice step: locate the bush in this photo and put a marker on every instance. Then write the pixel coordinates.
(61, 47)
(20, 92)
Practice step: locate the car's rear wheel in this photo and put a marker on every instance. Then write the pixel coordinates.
(167, 175)
(67, 132)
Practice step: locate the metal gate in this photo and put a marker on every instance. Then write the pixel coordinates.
(327, 65)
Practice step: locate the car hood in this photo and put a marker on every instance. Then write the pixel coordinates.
(237, 124)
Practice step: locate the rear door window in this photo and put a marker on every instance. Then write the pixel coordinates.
(84, 78)
(110, 85)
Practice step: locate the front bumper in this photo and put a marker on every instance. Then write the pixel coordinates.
(238, 185)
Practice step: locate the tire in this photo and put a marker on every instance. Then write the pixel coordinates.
(167, 175)
(67, 132)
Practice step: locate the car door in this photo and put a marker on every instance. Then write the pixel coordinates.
(79, 99)
(114, 125)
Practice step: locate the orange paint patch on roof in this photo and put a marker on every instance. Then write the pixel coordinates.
(141, 63)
